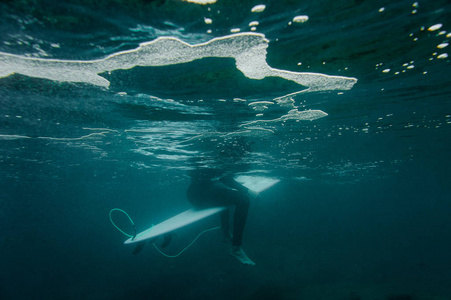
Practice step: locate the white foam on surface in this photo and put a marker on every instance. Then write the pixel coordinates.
(294, 114)
(248, 50)
(8, 137)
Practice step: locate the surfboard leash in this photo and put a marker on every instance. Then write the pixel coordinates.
(131, 221)
(156, 247)
(186, 248)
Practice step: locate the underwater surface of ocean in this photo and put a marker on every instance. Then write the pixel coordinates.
(111, 103)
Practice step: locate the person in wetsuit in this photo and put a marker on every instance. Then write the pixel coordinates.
(213, 187)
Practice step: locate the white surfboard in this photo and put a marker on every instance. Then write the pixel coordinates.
(254, 183)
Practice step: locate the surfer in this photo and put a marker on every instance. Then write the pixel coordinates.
(213, 187)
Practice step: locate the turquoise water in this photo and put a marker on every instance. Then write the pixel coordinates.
(108, 104)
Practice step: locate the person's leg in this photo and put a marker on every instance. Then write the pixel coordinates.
(223, 195)
(241, 201)
(219, 194)
(209, 194)
(225, 224)
(239, 218)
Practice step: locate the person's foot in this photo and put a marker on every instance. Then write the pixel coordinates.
(239, 254)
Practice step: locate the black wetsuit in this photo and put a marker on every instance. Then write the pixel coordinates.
(211, 188)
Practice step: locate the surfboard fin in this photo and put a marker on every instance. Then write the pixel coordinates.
(167, 240)
(139, 247)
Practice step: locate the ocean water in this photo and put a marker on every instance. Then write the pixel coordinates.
(107, 104)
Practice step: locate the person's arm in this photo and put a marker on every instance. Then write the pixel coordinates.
(231, 182)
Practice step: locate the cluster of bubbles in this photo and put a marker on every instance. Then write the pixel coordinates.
(257, 9)
(437, 30)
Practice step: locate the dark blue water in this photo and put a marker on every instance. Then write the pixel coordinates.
(351, 110)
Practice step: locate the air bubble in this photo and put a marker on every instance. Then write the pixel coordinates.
(300, 19)
(435, 27)
(258, 8)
